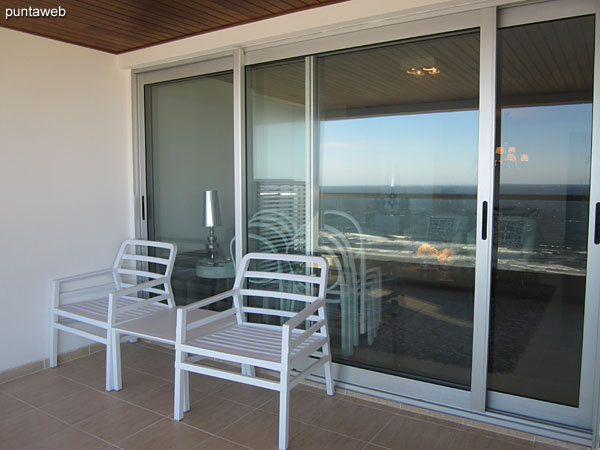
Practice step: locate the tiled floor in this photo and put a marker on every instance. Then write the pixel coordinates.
(67, 408)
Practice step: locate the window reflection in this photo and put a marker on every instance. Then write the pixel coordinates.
(398, 175)
(542, 164)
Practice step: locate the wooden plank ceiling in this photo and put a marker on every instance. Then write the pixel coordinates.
(544, 63)
(118, 26)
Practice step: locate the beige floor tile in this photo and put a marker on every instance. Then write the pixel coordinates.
(314, 438)
(81, 406)
(353, 420)
(543, 443)
(408, 433)
(41, 388)
(216, 443)
(249, 395)
(260, 430)
(37, 430)
(119, 422)
(89, 370)
(164, 435)
(154, 362)
(433, 419)
(305, 406)
(161, 400)
(209, 385)
(477, 441)
(372, 404)
(11, 407)
(17, 372)
(136, 385)
(71, 439)
(212, 414)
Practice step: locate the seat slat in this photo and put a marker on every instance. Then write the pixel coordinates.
(249, 341)
(98, 309)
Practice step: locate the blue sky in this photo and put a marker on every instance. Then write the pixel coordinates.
(441, 148)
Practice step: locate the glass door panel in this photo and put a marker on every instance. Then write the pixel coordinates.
(276, 157)
(397, 207)
(542, 177)
(189, 149)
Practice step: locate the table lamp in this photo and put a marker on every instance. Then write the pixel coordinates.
(212, 218)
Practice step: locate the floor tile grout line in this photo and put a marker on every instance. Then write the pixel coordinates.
(22, 376)
(452, 442)
(74, 426)
(314, 421)
(393, 416)
(425, 418)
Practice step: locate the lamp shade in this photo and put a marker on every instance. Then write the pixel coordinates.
(212, 211)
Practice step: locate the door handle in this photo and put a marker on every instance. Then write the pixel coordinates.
(597, 225)
(484, 220)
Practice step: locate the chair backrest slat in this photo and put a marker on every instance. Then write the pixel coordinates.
(148, 259)
(277, 294)
(145, 259)
(283, 276)
(278, 276)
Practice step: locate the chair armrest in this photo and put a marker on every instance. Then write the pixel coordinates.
(121, 293)
(304, 314)
(209, 300)
(140, 287)
(83, 276)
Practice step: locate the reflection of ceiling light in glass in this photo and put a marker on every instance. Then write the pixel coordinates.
(431, 70)
(423, 70)
(524, 157)
(414, 71)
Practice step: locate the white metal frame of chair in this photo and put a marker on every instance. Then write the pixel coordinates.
(229, 336)
(369, 283)
(88, 305)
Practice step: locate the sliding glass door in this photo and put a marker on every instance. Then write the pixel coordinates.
(541, 209)
(189, 150)
(369, 156)
(398, 127)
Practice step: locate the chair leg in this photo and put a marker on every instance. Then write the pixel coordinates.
(328, 372)
(53, 359)
(178, 397)
(186, 391)
(284, 412)
(116, 361)
(109, 358)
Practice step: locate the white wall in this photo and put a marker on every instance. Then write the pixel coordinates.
(65, 179)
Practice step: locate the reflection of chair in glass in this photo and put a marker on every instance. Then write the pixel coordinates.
(517, 234)
(283, 223)
(447, 229)
(343, 287)
(301, 343)
(369, 280)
